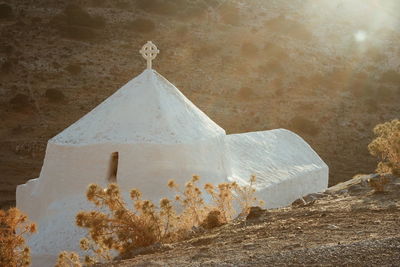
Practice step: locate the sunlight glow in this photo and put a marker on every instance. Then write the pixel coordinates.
(360, 36)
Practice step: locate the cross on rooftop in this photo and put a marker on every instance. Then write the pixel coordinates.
(149, 51)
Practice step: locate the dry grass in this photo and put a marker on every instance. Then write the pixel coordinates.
(386, 146)
(122, 229)
(14, 225)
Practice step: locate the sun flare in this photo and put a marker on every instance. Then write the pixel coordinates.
(360, 36)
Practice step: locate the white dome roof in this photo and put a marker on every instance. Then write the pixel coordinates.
(148, 109)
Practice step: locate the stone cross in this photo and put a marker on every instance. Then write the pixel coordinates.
(149, 51)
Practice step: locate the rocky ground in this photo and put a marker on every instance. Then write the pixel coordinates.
(328, 70)
(348, 224)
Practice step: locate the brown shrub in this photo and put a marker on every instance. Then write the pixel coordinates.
(122, 4)
(371, 105)
(304, 125)
(273, 66)
(78, 33)
(54, 95)
(386, 146)
(76, 23)
(160, 7)
(386, 94)
(390, 77)
(376, 54)
(74, 68)
(245, 93)
(289, 27)
(7, 66)
(230, 14)
(21, 102)
(142, 25)
(14, 225)
(98, 3)
(74, 15)
(273, 50)
(249, 49)
(206, 50)
(7, 49)
(5, 11)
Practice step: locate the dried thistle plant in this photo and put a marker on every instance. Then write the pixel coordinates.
(222, 199)
(190, 198)
(386, 147)
(14, 225)
(122, 229)
(245, 195)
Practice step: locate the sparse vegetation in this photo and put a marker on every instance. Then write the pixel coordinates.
(74, 15)
(74, 68)
(270, 67)
(21, 102)
(122, 4)
(123, 230)
(54, 95)
(386, 146)
(390, 77)
(249, 49)
(7, 49)
(274, 50)
(76, 23)
(291, 28)
(371, 104)
(206, 50)
(230, 14)
(160, 7)
(7, 66)
(142, 25)
(5, 11)
(78, 33)
(14, 225)
(245, 93)
(304, 125)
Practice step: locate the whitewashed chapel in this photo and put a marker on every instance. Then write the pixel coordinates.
(146, 133)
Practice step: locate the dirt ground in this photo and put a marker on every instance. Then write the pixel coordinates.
(347, 225)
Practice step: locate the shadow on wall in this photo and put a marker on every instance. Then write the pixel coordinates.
(113, 168)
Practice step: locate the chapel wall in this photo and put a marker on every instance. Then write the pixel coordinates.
(148, 167)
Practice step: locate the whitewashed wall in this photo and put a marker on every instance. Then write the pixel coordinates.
(286, 167)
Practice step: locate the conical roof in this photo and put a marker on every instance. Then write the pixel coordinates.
(148, 109)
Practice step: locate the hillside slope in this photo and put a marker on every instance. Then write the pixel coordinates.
(328, 71)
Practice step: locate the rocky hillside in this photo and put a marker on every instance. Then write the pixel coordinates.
(328, 70)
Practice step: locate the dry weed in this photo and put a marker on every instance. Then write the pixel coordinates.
(245, 195)
(122, 229)
(14, 225)
(386, 146)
